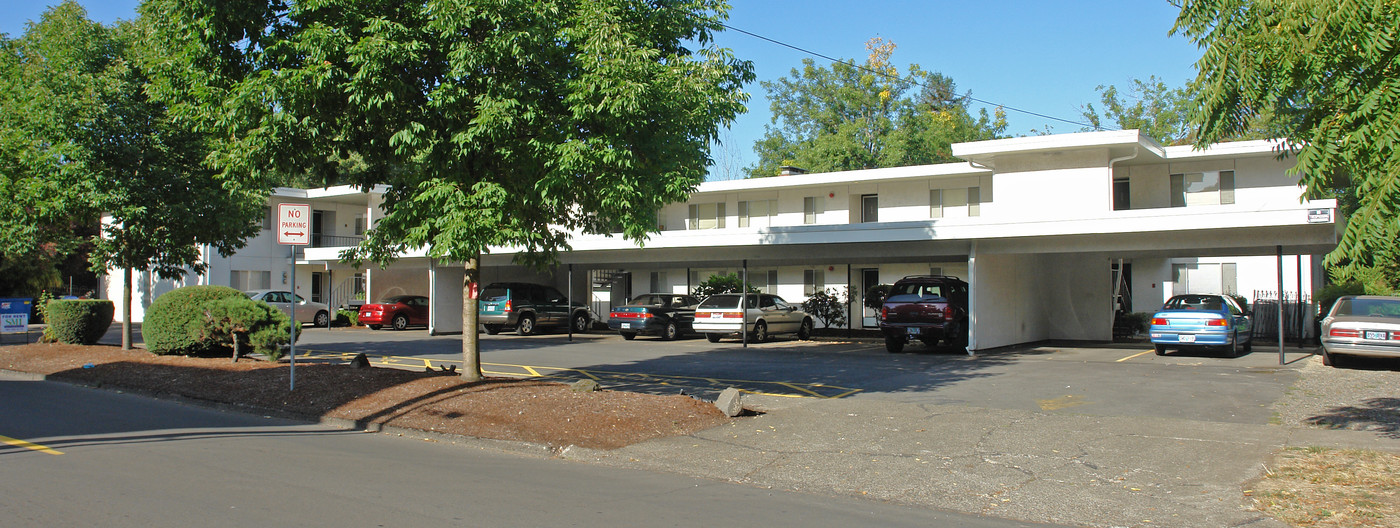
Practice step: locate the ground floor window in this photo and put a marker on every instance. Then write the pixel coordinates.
(250, 280)
(1204, 278)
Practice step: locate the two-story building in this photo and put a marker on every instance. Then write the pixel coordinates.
(1053, 233)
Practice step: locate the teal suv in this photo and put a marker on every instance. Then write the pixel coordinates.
(527, 307)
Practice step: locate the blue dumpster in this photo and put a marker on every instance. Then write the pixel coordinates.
(14, 314)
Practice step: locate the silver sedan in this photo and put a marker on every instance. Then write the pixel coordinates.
(1362, 325)
(307, 311)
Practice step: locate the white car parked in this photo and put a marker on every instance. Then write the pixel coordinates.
(719, 316)
(307, 311)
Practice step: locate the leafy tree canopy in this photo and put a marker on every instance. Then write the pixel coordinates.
(1327, 72)
(849, 117)
(1159, 112)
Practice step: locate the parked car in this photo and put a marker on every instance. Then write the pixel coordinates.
(667, 315)
(719, 315)
(307, 311)
(528, 307)
(1361, 325)
(1199, 321)
(929, 308)
(397, 312)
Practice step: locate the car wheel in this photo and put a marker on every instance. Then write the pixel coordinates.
(760, 332)
(1234, 347)
(1160, 349)
(894, 345)
(804, 331)
(525, 326)
(581, 324)
(400, 322)
(323, 319)
(492, 329)
(714, 338)
(375, 327)
(1330, 360)
(629, 335)
(670, 332)
(1249, 345)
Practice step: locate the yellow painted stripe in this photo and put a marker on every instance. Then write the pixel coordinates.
(27, 445)
(1135, 355)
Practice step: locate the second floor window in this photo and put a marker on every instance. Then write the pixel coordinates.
(707, 216)
(757, 213)
(955, 203)
(1203, 188)
(812, 207)
(870, 208)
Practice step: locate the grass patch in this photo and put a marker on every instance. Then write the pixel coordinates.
(1317, 486)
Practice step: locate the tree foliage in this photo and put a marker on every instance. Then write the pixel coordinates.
(828, 306)
(721, 283)
(850, 116)
(1327, 72)
(1159, 112)
(511, 123)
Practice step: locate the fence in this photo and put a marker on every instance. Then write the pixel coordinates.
(1297, 315)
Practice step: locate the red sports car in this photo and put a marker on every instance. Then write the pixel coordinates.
(398, 311)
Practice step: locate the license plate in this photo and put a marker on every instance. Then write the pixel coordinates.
(716, 315)
(1186, 338)
(1382, 335)
(913, 330)
(627, 325)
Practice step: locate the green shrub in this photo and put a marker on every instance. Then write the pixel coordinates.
(78, 322)
(875, 296)
(347, 317)
(1135, 321)
(240, 321)
(175, 321)
(827, 306)
(1329, 294)
(724, 283)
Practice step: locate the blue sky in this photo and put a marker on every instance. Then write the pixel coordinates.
(1045, 57)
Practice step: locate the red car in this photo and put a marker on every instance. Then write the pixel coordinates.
(398, 311)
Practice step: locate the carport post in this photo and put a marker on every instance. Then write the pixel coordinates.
(1279, 250)
(571, 303)
(744, 304)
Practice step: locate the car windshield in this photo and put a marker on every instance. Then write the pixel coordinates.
(493, 294)
(1368, 307)
(648, 300)
(1195, 302)
(914, 288)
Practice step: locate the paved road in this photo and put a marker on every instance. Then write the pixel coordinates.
(79, 457)
(1119, 380)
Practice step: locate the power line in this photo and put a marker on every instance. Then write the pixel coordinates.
(913, 80)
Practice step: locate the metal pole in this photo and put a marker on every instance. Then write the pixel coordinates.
(744, 304)
(1279, 253)
(1301, 331)
(571, 303)
(292, 372)
(850, 315)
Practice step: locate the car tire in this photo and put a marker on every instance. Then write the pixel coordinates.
(894, 345)
(1161, 350)
(1249, 345)
(491, 329)
(525, 326)
(628, 335)
(400, 322)
(714, 338)
(670, 332)
(581, 323)
(375, 327)
(804, 331)
(760, 332)
(1330, 360)
(322, 319)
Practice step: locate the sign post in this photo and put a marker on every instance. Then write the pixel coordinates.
(293, 229)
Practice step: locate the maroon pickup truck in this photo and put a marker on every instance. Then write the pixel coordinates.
(929, 308)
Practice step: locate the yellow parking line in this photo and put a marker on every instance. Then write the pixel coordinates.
(1135, 355)
(27, 445)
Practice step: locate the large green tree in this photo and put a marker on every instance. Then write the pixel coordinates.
(493, 123)
(1327, 72)
(1150, 106)
(83, 139)
(850, 116)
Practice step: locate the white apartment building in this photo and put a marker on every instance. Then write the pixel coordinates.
(1038, 226)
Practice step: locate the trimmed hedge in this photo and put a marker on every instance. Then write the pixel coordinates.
(251, 323)
(175, 322)
(78, 322)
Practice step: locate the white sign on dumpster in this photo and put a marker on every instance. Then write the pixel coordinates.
(294, 224)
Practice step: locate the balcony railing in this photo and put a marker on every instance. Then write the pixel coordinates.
(319, 240)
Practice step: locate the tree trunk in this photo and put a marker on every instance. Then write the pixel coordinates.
(235, 346)
(471, 345)
(126, 308)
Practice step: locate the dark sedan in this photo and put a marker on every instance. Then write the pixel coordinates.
(667, 315)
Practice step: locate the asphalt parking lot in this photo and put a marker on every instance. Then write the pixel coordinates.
(1108, 380)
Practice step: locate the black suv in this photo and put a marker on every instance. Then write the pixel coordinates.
(527, 307)
(929, 308)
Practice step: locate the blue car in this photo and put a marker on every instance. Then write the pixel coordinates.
(1199, 321)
